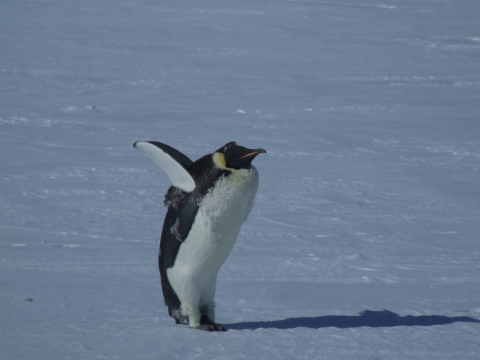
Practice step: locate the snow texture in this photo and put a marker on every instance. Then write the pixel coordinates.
(364, 239)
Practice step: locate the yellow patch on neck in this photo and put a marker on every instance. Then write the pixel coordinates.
(219, 161)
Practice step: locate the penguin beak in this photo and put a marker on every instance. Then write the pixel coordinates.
(254, 152)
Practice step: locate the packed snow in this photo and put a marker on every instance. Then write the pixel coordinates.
(364, 239)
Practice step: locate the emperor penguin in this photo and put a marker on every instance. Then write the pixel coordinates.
(207, 203)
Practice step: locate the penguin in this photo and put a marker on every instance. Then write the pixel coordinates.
(207, 203)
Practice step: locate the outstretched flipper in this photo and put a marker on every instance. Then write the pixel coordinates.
(172, 161)
(182, 210)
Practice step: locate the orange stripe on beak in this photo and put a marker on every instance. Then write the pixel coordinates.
(251, 154)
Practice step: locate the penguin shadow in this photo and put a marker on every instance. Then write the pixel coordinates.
(384, 318)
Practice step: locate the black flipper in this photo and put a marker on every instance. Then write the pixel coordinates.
(182, 159)
(180, 221)
(172, 161)
(186, 216)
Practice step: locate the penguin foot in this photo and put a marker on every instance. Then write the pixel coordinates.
(208, 325)
(211, 327)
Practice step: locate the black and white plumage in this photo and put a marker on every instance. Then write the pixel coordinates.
(207, 204)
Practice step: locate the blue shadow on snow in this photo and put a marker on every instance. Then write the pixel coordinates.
(369, 318)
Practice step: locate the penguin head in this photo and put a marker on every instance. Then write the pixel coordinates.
(233, 156)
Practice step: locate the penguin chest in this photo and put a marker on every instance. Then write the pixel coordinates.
(206, 248)
(212, 235)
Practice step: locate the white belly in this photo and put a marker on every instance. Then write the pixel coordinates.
(203, 253)
(212, 237)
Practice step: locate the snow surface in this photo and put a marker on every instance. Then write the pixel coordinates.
(364, 240)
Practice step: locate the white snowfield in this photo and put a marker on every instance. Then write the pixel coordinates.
(364, 242)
